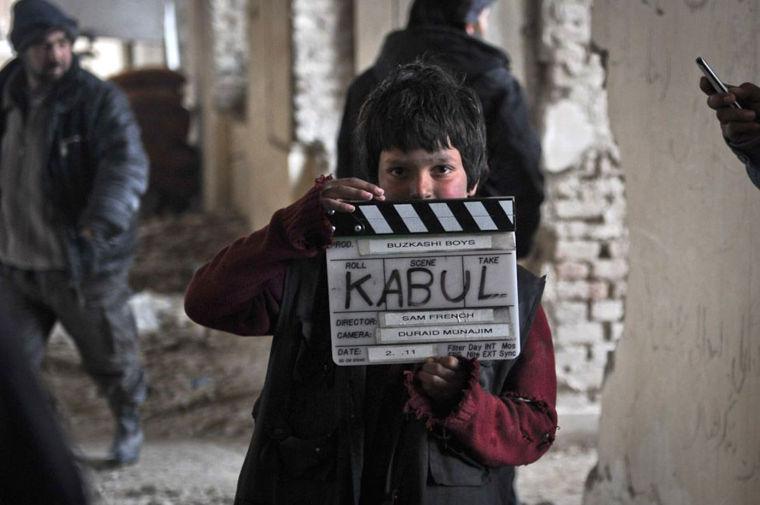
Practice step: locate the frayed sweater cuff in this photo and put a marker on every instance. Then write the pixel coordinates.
(305, 222)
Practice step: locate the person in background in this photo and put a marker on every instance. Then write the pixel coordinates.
(72, 172)
(448, 33)
(740, 127)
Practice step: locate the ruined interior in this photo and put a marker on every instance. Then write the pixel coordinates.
(647, 238)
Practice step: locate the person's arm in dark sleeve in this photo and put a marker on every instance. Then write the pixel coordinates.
(240, 289)
(345, 163)
(121, 176)
(515, 427)
(514, 152)
(749, 154)
(348, 164)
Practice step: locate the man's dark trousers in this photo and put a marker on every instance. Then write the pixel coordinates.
(96, 316)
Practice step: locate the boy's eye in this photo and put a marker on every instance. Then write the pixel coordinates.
(396, 171)
(443, 169)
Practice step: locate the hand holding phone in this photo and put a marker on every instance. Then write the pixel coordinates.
(738, 122)
(714, 80)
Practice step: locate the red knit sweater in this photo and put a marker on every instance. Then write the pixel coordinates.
(239, 291)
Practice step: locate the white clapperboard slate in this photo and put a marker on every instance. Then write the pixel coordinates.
(409, 280)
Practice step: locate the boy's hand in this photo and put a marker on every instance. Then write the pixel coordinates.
(335, 193)
(442, 379)
(737, 125)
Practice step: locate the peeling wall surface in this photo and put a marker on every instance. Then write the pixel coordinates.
(681, 404)
(583, 240)
(323, 68)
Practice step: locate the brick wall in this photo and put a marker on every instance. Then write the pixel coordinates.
(323, 68)
(585, 209)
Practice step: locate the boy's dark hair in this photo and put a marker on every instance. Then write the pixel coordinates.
(421, 106)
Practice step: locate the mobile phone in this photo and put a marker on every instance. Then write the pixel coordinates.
(715, 81)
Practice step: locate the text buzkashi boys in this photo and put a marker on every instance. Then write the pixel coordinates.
(446, 431)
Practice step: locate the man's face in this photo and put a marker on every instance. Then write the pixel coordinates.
(480, 27)
(49, 58)
(422, 175)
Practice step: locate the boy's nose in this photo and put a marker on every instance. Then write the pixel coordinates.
(421, 187)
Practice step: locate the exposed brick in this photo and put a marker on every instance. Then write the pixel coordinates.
(618, 248)
(616, 331)
(568, 134)
(577, 250)
(573, 270)
(573, 229)
(586, 204)
(571, 312)
(607, 310)
(588, 379)
(609, 187)
(588, 168)
(582, 290)
(600, 353)
(606, 231)
(569, 187)
(582, 333)
(619, 290)
(609, 167)
(322, 69)
(598, 290)
(572, 290)
(613, 270)
(569, 360)
(577, 209)
(615, 212)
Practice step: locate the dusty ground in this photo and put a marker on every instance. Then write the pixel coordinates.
(202, 386)
(198, 472)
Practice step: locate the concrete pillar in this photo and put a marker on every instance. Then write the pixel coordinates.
(262, 184)
(681, 401)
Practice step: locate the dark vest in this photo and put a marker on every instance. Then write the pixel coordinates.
(318, 459)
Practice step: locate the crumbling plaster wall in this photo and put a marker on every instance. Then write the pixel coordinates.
(323, 68)
(681, 404)
(583, 238)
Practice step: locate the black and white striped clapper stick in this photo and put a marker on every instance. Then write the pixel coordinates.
(464, 215)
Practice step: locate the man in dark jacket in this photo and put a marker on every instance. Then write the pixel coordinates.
(445, 32)
(72, 171)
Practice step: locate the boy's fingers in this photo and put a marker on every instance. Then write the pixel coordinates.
(435, 386)
(338, 189)
(450, 362)
(355, 182)
(330, 204)
(334, 193)
(438, 370)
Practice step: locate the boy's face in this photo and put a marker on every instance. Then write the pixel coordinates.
(422, 175)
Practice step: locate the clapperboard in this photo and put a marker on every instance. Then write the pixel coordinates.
(409, 280)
